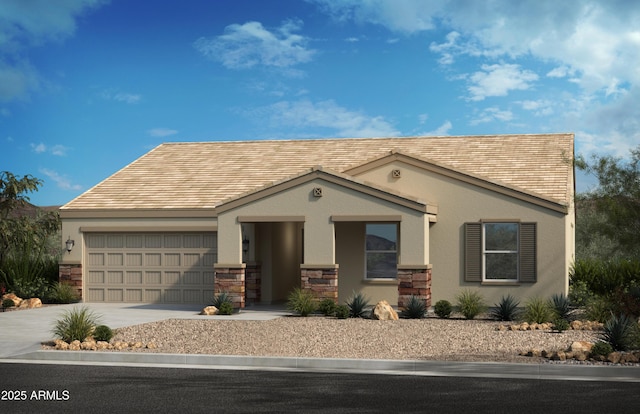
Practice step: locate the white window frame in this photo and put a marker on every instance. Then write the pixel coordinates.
(486, 252)
(366, 251)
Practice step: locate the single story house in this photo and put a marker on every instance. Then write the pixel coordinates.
(389, 217)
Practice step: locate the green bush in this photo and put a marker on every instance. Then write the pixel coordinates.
(537, 310)
(327, 307)
(226, 308)
(220, 298)
(598, 308)
(506, 309)
(603, 277)
(561, 306)
(443, 308)
(8, 303)
(38, 287)
(470, 303)
(620, 332)
(62, 293)
(579, 293)
(302, 302)
(415, 308)
(102, 333)
(560, 324)
(75, 324)
(358, 305)
(342, 312)
(627, 301)
(601, 348)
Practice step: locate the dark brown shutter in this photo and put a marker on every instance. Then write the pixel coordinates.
(528, 252)
(473, 252)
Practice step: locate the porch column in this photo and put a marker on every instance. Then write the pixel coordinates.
(253, 283)
(414, 280)
(230, 279)
(71, 274)
(320, 280)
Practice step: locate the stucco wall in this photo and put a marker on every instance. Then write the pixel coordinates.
(460, 202)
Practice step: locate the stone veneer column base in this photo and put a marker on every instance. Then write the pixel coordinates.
(320, 280)
(253, 283)
(71, 274)
(414, 281)
(230, 279)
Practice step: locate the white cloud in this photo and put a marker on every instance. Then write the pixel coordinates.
(540, 107)
(498, 80)
(422, 118)
(38, 148)
(115, 95)
(161, 132)
(325, 115)
(24, 24)
(442, 130)
(58, 150)
(61, 181)
(250, 44)
(492, 114)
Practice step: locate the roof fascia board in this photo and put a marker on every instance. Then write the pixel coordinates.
(465, 177)
(137, 213)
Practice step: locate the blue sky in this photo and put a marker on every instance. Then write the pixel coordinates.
(88, 86)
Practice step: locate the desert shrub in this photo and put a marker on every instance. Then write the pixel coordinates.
(358, 304)
(327, 307)
(301, 302)
(620, 332)
(627, 301)
(443, 308)
(102, 333)
(506, 309)
(8, 303)
(604, 276)
(37, 287)
(579, 293)
(75, 324)
(560, 324)
(62, 293)
(342, 312)
(470, 303)
(561, 306)
(226, 308)
(415, 308)
(220, 298)
(598, 308)
(537, 310)
(601, 348)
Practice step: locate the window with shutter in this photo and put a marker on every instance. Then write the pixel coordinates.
(500, 251)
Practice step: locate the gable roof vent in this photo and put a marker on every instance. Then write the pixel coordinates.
(317, 191)
(396, 173)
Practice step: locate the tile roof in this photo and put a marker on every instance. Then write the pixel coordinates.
(202, 174)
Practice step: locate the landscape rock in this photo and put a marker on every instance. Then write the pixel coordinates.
(209, 310)
(30, 303)
(61, 345)
(581, 346)
(74, 346)
(384, 312)
(151, 345)
(16, 300)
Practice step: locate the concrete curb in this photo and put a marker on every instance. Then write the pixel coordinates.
(372, 366)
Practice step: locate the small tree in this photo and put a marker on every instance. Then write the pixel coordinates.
(617, 198)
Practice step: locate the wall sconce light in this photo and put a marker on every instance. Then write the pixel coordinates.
(70, 243)
(245, 245)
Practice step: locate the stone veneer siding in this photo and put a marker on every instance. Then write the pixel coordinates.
(321, 281)
(253, 283)
(231, 280)
(414, 282)
(71, 274)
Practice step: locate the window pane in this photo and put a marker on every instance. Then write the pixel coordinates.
(381, 265)
(382, 236)
(501, 236)
(501, 266)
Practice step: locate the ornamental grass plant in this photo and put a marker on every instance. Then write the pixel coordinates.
(76, 324)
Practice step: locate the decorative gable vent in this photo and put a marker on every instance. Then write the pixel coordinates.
(396, 173)
(317, 191)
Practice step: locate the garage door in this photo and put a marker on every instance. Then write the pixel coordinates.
(150, 267)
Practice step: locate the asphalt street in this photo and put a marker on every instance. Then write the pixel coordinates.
(52, 388)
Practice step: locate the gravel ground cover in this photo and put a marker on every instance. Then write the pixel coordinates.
(320, 337)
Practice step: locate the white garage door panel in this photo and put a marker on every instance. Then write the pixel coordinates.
(150, 267)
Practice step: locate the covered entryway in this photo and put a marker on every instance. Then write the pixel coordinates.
(150, 267)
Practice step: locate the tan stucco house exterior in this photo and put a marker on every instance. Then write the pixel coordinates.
(390, 217)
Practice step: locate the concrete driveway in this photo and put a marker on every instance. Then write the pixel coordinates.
(22, 331)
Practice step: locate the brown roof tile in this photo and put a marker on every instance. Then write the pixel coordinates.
(202, 174)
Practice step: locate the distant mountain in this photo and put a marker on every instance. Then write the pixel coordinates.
(29, 210)
(379, 243)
